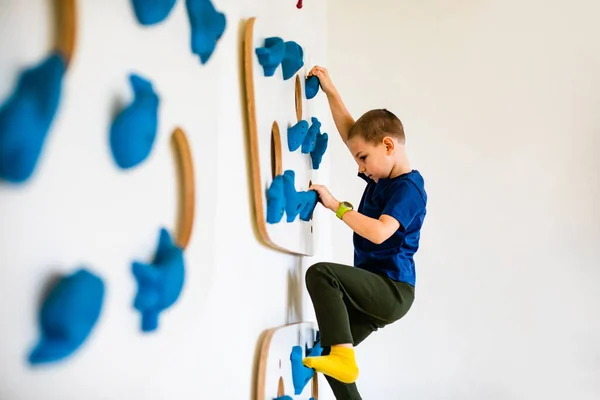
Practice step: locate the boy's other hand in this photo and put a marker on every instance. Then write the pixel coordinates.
(324, 79)
(325, 197)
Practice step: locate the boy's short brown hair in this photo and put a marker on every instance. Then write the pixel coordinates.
(374, 125)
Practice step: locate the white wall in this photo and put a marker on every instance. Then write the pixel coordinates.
(500, 104)
(79, 209)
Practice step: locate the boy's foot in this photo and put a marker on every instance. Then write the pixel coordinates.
(339, 364)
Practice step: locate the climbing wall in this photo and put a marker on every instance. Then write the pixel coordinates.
(282, 134)
(276, 369)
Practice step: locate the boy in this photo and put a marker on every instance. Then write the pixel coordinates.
(352, 302)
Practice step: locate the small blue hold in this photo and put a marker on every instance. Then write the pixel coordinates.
(275, 200)
(309, 142)
(309, 201)
(159, 283)
(320, 146)
(311, 87)
(207, 27)
(293, 201)
(26, 118)
(68, 315)
(283, 398)
(301, 374)
(293, 59)
(152, 12)
(316, 350)
(271, 55)
(296, 135)
(133, 131)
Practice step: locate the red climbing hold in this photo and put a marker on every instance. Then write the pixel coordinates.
(299, 4)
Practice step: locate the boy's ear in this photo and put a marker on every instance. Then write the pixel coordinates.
(389, 144)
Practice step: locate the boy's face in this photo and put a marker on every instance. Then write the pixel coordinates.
(374, 160)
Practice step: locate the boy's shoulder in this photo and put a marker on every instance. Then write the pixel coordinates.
(409, 184)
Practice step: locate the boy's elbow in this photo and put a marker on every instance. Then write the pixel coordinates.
(379, 238)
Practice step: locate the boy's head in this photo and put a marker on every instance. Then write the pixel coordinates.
(376, 140)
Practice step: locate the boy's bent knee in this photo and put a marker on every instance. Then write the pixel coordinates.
(314, 273)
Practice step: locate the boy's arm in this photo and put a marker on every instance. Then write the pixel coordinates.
(374, 230)
(341, 116)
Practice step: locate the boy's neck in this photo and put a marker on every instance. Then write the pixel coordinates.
(401, 167)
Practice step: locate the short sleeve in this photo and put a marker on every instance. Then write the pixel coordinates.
(365, 177)
(404, 202)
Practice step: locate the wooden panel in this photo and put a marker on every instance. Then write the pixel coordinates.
(274, 101)
(274, 374)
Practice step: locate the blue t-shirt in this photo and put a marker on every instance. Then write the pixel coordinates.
(405, 199)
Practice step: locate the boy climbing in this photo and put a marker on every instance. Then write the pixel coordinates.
(351, 302)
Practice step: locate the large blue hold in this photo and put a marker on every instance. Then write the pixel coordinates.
(150, 12)
(301, 374)
(308, 145)
(133, 131)
(207, 27)
(309, 202)
(159, 283)
(293, 201)
(293, 59)
(68, 315)
(296, 135)
(26, 118)
(275, 200)
(271, 55)
(320, 147)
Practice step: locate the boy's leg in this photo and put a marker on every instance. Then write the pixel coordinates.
(361, 328)
(335, 289)
(339, 290)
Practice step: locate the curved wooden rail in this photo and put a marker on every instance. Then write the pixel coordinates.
(66, 28)
(187, 189)
(276, 157)
(298, 92)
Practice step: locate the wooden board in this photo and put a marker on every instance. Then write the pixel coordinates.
(187, 188)
(273, 101)
(66, 28)
(274, 373)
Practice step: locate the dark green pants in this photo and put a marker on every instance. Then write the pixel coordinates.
(351, 303)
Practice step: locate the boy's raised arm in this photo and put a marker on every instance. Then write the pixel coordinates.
(342, 118)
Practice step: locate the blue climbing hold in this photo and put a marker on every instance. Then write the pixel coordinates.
(296, 135)
(316, 350)
(309, 200)
(207, 27)
(275, 200)
(68, 315)
(293, 201)
(311, 87)
(133, 131)
(293, 59)
(271, 55)
(152, 12)
(320, 147)
(283, 398)
(309, 142)
(26, 118)
(301, 375)
(159, 283)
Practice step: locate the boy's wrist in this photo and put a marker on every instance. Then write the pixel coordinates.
(336, 206)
